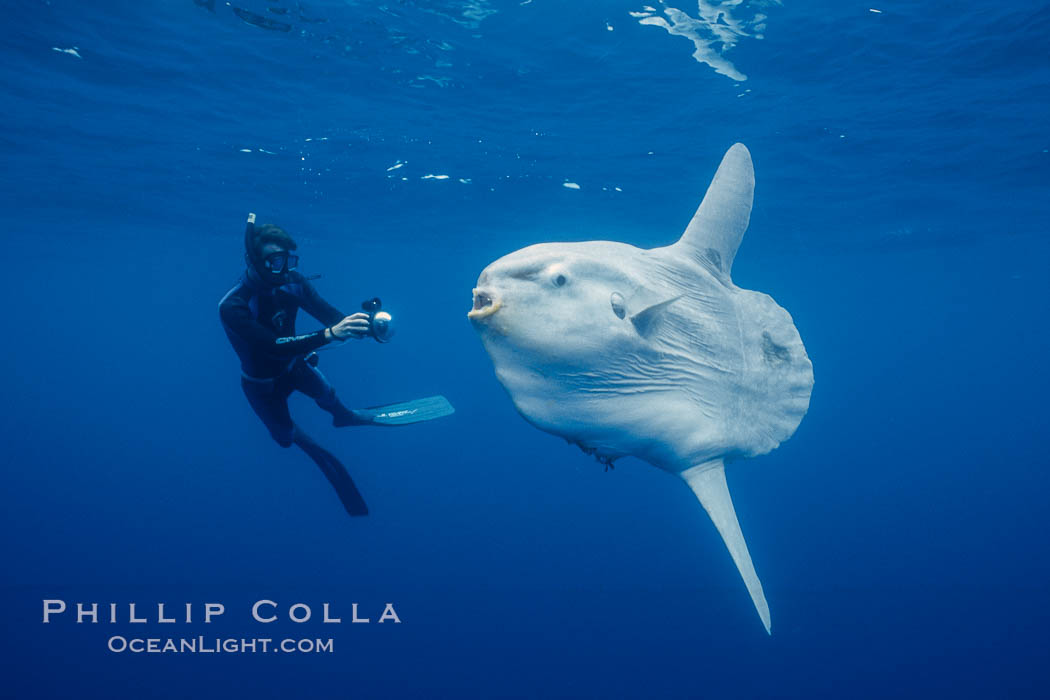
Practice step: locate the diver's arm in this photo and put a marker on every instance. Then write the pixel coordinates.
(238, 317)
(316, 306)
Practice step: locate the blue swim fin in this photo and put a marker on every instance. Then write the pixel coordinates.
(415, 411)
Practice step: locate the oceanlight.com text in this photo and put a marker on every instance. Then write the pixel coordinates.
(217, 645)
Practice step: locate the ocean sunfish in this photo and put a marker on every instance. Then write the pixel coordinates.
(653, 354)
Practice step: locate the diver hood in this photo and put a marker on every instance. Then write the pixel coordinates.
(257, 271)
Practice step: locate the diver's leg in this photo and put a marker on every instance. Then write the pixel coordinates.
(334, 471)
(310, 381)
(270, 403)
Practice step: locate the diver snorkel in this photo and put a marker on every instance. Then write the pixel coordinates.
(249, 241)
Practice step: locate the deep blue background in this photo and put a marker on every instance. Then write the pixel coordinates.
(901, 215)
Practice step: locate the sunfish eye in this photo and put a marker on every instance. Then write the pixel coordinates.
(618, 306)
(558, 277)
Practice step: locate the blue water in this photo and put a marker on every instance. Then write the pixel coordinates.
(900, 216)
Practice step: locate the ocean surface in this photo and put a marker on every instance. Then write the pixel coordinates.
(900, 216)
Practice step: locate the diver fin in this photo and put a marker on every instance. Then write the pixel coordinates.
(643, 320)
(715, 231)
(404, 413)
(334, 471)
(708, 482)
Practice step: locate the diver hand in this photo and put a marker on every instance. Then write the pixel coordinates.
(354, 326)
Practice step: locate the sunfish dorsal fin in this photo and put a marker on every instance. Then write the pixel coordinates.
(715, 231)
(708, 482)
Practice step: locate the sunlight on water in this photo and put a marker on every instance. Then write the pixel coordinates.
(714, 32)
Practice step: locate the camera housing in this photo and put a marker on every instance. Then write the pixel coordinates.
(380, 323)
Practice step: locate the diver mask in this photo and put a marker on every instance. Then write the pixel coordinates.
(280, 262)
(273, 269)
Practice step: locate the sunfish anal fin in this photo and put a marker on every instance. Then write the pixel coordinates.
(708, 482)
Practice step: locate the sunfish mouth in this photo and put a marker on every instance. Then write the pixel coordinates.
(484, 305)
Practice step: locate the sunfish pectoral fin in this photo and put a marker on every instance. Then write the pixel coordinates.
(644, 319)
(708, 482)
(717, 227)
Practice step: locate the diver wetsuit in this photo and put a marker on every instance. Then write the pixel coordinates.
(260, 322)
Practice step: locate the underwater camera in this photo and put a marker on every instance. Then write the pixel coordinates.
(380, 323)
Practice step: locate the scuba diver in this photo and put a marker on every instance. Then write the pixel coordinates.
(258, 315)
